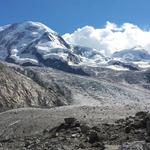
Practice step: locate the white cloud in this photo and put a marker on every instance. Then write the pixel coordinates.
(111, 38)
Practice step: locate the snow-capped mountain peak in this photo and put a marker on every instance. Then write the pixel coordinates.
(134, 54)
(31, 42)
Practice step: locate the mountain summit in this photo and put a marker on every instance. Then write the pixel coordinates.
(32, 42)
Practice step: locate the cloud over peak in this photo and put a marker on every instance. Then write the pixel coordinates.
(111, 38)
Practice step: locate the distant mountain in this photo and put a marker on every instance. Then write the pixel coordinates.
(135, 54)
(90, 56)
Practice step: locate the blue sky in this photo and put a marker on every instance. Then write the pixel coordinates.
(68, 15)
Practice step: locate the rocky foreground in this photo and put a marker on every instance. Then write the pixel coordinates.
(131, 133)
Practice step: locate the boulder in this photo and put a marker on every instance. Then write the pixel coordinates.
(93, 137)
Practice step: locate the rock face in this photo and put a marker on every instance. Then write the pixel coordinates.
(128, 66)
(17, 90)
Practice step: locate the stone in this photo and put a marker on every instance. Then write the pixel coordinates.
(84, 128)
(100, 145)
(141, 114)
(138, 145)
(96, 128)
(148, 116)
(138, 124)
(82, 145)
(127, 129)
(148, 127)
(74, 135)
(93, 137)
(147, 139)
(70, 120)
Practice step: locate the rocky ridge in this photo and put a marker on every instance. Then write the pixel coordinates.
(18, 90)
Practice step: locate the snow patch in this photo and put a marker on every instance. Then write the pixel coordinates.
(117, 68)
(20, 60)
